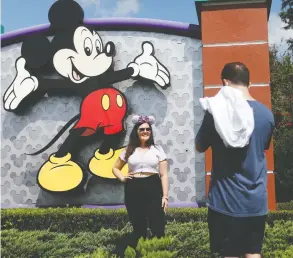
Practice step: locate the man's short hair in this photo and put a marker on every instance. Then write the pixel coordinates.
(237, 73)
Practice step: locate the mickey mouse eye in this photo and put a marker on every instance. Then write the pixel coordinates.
(98, 46)
(88, 46)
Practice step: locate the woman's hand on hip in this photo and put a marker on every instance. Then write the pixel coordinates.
(129, 176)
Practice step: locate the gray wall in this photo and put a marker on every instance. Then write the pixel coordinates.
(176, 110)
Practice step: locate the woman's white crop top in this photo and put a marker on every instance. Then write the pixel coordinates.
(147, 161)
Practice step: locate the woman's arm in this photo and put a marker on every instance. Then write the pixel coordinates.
(118, 165)
(163, 167)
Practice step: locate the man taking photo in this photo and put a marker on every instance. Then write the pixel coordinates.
(238, 129)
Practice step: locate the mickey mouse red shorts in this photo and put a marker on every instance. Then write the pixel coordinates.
(104, 108)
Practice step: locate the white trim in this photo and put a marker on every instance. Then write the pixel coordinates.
(234, 2)
(243, 43)
(268, 172)
(260, 85)
(252, 85)
(213, 87)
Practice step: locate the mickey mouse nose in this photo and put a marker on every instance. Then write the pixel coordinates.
(109, 49)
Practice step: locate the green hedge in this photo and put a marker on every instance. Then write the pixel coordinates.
(285, 205)
(83, 219)
(182, 240)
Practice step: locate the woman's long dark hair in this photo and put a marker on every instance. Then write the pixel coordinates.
(134, 141)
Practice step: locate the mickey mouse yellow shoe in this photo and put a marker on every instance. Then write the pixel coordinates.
(102, 164)
(60, 174)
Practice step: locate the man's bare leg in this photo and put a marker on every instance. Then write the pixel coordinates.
(252, 256)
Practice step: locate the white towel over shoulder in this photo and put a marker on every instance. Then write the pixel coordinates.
(233, 116)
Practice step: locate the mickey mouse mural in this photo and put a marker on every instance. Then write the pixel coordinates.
(85, 66)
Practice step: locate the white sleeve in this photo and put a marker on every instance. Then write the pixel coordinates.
(162, 154)
(122, 155)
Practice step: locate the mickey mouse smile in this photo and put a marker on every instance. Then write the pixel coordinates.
(76, 74)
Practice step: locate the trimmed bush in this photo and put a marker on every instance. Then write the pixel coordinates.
(279, 239)
(182, 240)
(285, 205)
(31, 244)
(150, 248)
(81, 219)
(63, 219)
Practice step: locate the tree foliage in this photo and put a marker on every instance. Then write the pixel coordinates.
(282, 104)
(287, 17)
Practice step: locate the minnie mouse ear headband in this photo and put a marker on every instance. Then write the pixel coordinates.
(143, 119)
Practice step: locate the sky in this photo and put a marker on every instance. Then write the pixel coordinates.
(18, 14)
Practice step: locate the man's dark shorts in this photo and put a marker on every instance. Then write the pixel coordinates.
(235, 236)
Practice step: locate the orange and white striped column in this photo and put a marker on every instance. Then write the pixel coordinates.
(237, 31)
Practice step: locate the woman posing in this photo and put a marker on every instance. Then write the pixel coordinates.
(146, 185)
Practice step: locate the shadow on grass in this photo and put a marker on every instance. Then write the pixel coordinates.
(126, 240)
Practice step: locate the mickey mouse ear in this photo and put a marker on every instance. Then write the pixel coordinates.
(135, 119)
(59, 20)
(151, 119)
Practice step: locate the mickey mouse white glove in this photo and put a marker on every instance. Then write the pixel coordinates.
(22, 86)
(147, 66)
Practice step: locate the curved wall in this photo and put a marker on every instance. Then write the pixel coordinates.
(176, 109)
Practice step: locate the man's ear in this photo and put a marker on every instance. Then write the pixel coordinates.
(225, 82)
(249, 85)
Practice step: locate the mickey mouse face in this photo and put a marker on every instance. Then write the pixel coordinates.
(87, 60)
